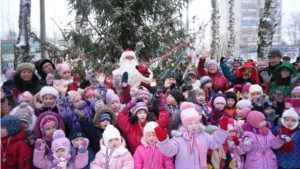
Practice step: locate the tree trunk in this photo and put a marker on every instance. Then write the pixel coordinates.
(215, 29)
(231, 28)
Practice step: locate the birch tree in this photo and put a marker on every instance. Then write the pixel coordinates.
(215, 29)
(231, 28)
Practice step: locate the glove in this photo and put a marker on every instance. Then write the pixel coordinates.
(285, 138)
(278, 96)
(224, 123)
(76, 78)
(272, 116)
(162, 102)
(129, 105)
(265, 76)
(248, 141)
(160, 133)
(88, 74)
(236, 140)
(160, 86)
(216, 113)
(79, 113)
(295, 79)
(49, 79)
(188, 82)
(237, 88)
(39, 145)
(84, 146)
(8, 93)
(262, 99)
(125, 77)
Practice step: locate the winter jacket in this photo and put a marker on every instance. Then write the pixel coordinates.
(220, 83)
(237, 155)
(125, 96)
(143, 154)
(120, 158)
(39, 67)
(285, 89)
(228, 73)
(271, 71)
(230, 111)
(18, 154)
(21, 86)
(175, 120)
(179, 146)
(134, 132)
(255, 158)
(39, 111)
(42, 161)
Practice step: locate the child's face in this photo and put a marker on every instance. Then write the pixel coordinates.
(113, 143)
(267, 110)
(208, 85)
(77, 103)
(90, 98)
(200, 98)
(239, 111)
(61, 152)
(220, 106)
(230, 102)
(142, 116)
(285, 73)
(4, 132)
(66, 75)
(104, 124)
(77, 142)
(193, 126)
(115, 105)
(171, 100)
(263, 123)
(24, 124)
(151, 138)
(289, 122)
(296, 95)
(49, 100)
(255, 95)
(172, 80)
(200, 116)
(193, 79)
(146, 101)
(231, 133)
(245, 95)
(50, 130)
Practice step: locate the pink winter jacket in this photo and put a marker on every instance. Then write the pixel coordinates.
(144, 152)
(41, 161)
(255, 158)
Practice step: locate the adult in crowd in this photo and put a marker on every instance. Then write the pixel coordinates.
(286, 58)
(298, 63)
(219, 82)
(267, 75)
(43, 67)
(261, 65)
(237, 63)
(24, 79)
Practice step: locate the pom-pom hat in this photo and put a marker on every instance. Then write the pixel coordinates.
(48, 90)
(254, 118)
(9, 74)
(110, 133)
(26, 96)
(60, 141)
(72, 94)
(290, 113)
(144, 94)
(149, 127)
(188, 113)
(139, 106)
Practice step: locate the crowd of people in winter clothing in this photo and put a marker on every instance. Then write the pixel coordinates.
(229, 115)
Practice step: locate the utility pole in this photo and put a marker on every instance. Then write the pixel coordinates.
(43, 26)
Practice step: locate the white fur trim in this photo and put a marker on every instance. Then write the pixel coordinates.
(176, 133)
(48, 90)
(290, 113)
(125, 54)
(197, 84)
(33, 117)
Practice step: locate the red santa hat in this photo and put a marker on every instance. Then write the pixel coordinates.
(125, 53)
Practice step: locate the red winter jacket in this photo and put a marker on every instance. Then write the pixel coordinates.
(220, 83)
(134, 132)
(18, 154)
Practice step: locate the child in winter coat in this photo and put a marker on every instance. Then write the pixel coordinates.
(113, 101)
(64, 70)
(191, 147)
(231, 103)
(258, 142)
(218, 103)
(61, 153)
(24, 97)
(206, 85)
(28, 120)
(113, 153)
(245, 92)
(150, 149)
(46, 124)
(287, 155)
(89, 95)
(77, 138)
(133, 127)
(201, 103)
(15, 154)
(296, 93)
(267, 108)
(240, 106)
(48, 96)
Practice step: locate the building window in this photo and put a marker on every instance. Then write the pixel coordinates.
(249, 23)
(249, 15)
(248, 6)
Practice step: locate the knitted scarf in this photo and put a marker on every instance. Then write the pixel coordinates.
(192, 138)
(287, 147)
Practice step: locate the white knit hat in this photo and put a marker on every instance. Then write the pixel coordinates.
(48, 90)
(149, 127)
(290, 113)
(109, 133)
(255, 88)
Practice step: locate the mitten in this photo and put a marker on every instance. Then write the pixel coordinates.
(237, 88)
(262, 99)
(68, 156)
(248, 141)
(278, 96)
(295, 79)
(285, 138)
(142, 69)
(39, 145)
(162, 102)
(224, 123)
(160, 86)
(125, 77)
(236, 140)
(216, 113)
(84, 146)
(272, 116)
(160, 133)
(188, 82)
(8, 93)
(49, 79)
(73, 86)
(88, 74)
(266, 77)
(129, 105)
(79, 113)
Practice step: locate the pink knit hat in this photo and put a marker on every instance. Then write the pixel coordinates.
(212, 62)
(89, 92)
(254, 118)
(26, 96)
(60, 141)
(296, 90)
(188, 113)
(144, 94)
(63, 67)
(246, 88)
(110, 97)
(72, 94)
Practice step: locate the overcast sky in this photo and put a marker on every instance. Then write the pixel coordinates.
(58, 10)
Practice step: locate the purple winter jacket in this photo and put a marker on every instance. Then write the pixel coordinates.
(179, 146)
(255, 158)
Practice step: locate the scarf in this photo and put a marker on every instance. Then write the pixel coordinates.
(193, 137)
(218, 157)
(111, 153)
(287, 147)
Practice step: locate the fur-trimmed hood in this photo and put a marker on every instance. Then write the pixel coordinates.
(33, 117)
(103, 110)
(181, 130)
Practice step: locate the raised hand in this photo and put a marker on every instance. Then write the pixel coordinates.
(285, 138)
(88, 74)
(295, 79)
(278, 97)
(39, 144)
(266, 77)
(49, 79)
(62, 87)
(160, 133)
(129, 105)
(207, 54)
(262, 99)
(101, 78)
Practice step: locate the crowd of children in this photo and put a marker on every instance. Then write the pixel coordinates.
(199, 122)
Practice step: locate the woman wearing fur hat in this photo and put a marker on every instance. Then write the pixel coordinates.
(258, 141)
(47, 98)
(61, 153)
(24, 79)
(132, 126)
